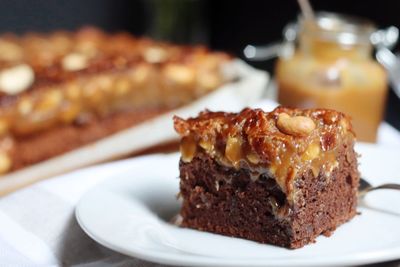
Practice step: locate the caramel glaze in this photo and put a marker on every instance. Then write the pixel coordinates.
(252, 139)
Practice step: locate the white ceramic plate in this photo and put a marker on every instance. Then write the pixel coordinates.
(130, 214)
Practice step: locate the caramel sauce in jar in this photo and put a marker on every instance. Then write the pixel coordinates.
(333, 67)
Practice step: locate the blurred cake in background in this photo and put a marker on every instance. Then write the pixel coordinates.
(62, 90)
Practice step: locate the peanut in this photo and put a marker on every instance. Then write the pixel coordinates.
(179, 74)
(155, 55)
(74, 62)
(16, 79)
(295, 126)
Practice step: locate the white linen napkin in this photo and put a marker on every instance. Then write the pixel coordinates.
(38, 225)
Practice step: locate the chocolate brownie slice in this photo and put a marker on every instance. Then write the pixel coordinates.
(282, 178)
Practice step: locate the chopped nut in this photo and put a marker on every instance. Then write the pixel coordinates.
(74, 62)
(93, 93)
(315, 170)
(179, 74)
(69, 112)
(329, 168)
(5, 163)
(16, 79)
(206, 145)
(122, 87)
(105, 82)
(188, 149)
(155, 55)
(253, 158)
(312, 152)
(50, 101)
(25, 106)
(272, 169)
(142, 74)
(73, 92)
(233, 150)
(296, 126)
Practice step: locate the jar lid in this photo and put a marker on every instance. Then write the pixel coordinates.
(344, 29)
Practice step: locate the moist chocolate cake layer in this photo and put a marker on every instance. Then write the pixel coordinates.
(231, 202)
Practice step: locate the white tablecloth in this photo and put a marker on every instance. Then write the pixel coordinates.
(38, 226)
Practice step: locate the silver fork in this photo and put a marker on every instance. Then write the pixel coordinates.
(366, 187)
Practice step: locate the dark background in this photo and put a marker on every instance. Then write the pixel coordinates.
(225, 25)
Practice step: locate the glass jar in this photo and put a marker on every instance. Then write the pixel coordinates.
(332, 67)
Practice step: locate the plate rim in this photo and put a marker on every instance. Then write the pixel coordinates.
(377, 256)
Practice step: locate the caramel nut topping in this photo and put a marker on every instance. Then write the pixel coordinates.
(98, 74)
(253, 139)
(296, 126)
